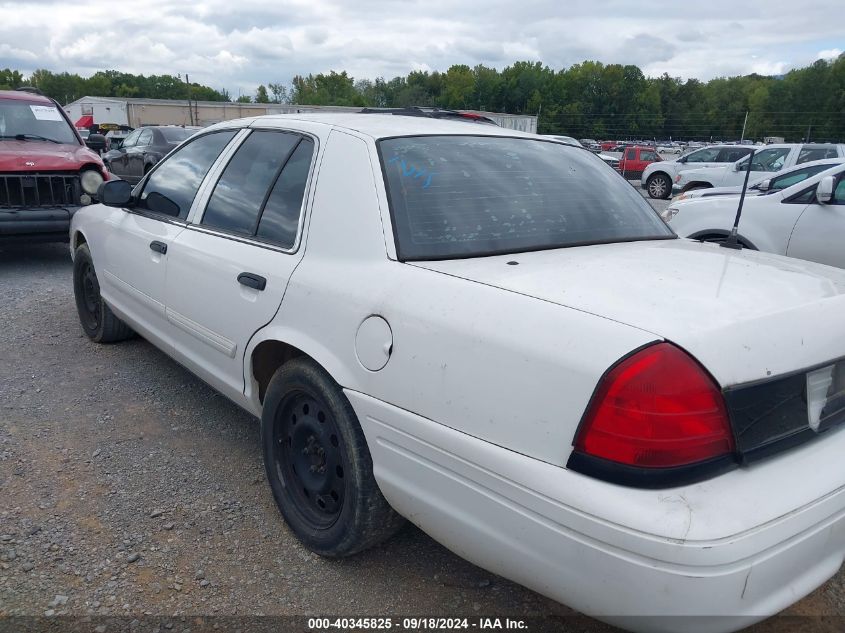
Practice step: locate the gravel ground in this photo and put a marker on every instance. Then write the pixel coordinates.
(130, 488)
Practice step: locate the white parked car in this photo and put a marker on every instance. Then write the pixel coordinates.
(795, 221)
(669, 149)
(657, 178)
(772, 158)
(760, 184)
(495, 337)
(613, 161)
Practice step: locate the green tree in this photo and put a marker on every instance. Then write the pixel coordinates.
(261, 95)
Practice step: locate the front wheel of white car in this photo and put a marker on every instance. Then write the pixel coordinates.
(659, 186)
(96, 318)
(318, 464)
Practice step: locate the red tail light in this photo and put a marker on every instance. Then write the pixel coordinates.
(658, 408)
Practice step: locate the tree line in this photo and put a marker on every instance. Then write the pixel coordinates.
(591, 99)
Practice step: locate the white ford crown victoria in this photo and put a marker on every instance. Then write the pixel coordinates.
(494, 336)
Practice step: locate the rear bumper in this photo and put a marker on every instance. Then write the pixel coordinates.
(36, 225)
(559, 533)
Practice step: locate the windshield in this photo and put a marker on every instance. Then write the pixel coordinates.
(34, 121)
(175, 134)
(471, 196)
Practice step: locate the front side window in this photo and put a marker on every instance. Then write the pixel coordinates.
(34, 121)
(769, 159)
(468, 196)
(261, 190)
(839, 192)
(793, 178)
(238, 196)
(171, 188)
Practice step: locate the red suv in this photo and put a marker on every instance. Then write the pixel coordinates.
(635, 159)
(46, 171)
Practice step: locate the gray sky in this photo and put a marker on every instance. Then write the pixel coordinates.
(237, 44)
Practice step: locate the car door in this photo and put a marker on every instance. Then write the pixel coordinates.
(118, 164)
(137, 242)
(228, 271)
(135, 156)
(819, 232)
(627, 162)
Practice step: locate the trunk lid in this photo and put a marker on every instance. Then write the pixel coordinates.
(745, 315)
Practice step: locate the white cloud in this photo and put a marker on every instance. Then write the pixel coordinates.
(239, 45)
(831, 53)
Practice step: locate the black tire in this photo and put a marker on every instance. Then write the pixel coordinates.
(98, 321)
(659, 186)
(318, 464)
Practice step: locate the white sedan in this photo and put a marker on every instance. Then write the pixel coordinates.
(495, 337)
(794, 221)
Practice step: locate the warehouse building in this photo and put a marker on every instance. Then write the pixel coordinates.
(134, 112)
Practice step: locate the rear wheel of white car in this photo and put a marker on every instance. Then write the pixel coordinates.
(659, 186)
(318, 463)
(98, 321)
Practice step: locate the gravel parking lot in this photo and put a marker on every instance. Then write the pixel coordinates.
(129, 487)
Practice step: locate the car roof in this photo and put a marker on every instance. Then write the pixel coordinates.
(380, 125)
(23, 95)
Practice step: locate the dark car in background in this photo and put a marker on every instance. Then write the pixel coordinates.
(132, 158)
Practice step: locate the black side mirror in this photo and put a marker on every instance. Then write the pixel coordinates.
(96, 142)
(115, 193)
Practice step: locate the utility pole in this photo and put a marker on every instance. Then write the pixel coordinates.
(742, 138)
(190, 109)
(809, 127)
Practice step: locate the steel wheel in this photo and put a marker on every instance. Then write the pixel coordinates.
(90, 310)
(309, 459)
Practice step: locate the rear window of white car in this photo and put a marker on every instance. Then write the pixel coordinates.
(471, 196)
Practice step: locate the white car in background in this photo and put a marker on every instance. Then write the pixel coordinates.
(495, 337)
(658, 177)
(805, 220)
(770, 159)
(613, 161)
(757, 185)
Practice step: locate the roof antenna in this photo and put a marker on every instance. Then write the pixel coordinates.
(732, 241)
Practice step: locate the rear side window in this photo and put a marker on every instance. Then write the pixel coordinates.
(630, 154)
(172, 187)
(146, 138)
(261, 190)
(472, 196)
(733, 154)
(280, 220)
(239, 194)
(648, 154)
(706, 155)
(809, 154)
